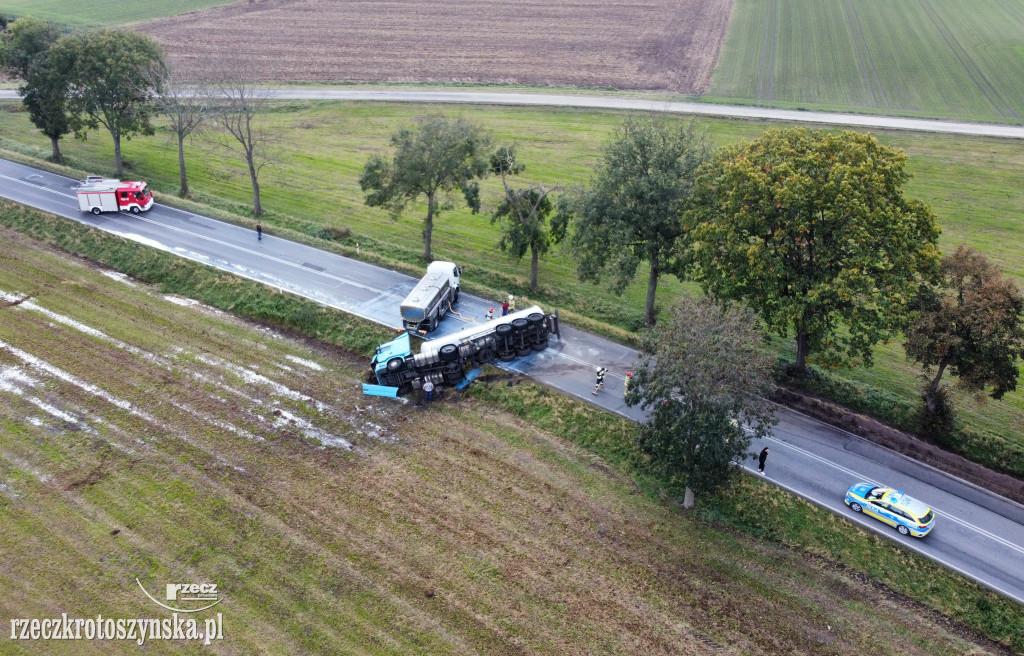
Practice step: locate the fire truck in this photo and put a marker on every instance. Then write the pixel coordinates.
(444, 361)
(98, 194)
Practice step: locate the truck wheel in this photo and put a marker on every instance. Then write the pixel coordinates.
(396, 364)
(503, 330)
(135, 209)
(541, 345)
(485, 355)
(449, 353)
(526, 350)
(519, 324)
(535, 318)
(96, 211)
(507, 357)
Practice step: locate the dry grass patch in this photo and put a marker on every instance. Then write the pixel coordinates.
(140, 437)
(652, 44)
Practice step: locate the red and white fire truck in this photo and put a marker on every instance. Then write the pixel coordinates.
(97, 195)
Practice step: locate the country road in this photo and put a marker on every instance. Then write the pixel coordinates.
(640, 104)
(978, 534)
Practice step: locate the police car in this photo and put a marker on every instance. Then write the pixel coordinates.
(908, 515)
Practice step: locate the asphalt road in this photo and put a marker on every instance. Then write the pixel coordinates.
(977, 533)
(639, 104)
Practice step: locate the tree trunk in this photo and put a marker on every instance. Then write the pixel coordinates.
(257, 208)
(117, 155)
(428, 228)
(183, 188)
(933, 387)
(803, 346)
(534, 256)
(55, 142)
(652, 288)
(688, 498)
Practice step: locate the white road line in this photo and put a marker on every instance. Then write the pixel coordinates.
(867, 479)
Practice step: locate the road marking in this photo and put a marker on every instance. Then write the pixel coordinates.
(880, 528)
(867, 479)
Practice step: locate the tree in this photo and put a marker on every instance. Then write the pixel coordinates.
(812, 231)
(24, 53)
(237, 105)
(433, 161)
(108, 72)
(185, 105)
(633, 211)
(522, 213)
(970, 324)
(702, 374)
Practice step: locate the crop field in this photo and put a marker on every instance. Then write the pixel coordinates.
(150, 437)
(107, 13)
(650, 44)
(945, 58)
(975, 186)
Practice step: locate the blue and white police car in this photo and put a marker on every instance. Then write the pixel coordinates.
(908, 515)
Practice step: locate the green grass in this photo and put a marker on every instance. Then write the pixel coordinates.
(975, 185)
(103, 13)
(942, 58)
(510, 520)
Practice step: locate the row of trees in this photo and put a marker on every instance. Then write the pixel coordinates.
(799, 232)
(119, 79)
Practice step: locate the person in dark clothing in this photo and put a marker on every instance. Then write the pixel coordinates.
(601, 371)
(259, 231)
(761, 458)
(504, 308)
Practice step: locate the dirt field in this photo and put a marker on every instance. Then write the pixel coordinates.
(647, 44)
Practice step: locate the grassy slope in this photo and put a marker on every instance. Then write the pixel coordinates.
(941, 58)
(106, 13)
(466, 530)
(976, 187)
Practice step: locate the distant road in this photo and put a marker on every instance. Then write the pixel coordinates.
(639, 104)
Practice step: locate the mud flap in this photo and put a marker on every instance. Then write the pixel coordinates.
(379, 390)
(469, 378)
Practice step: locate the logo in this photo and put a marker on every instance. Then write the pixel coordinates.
(188, 594)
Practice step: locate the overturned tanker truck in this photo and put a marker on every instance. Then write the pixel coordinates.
(444, 361)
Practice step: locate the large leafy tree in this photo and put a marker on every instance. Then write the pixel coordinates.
(633, 210)
(702, 375)
(971, 325)
(24, 54)
(523, 213)
(433, 160)
(109, 75)
(812, 230)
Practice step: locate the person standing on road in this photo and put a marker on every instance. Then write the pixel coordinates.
(601, 371)
(490, 314)
(511, 303)
(504, 308)
(625, 386)
(761, 458)
(428, 391)
(259, 231)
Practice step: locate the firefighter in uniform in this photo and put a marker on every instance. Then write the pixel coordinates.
(601, 371)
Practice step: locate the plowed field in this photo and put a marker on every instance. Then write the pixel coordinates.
(647, 44)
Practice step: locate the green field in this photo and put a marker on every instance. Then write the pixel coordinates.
(103, 13)
(942, 58)
(147, 437)
(975, 185)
